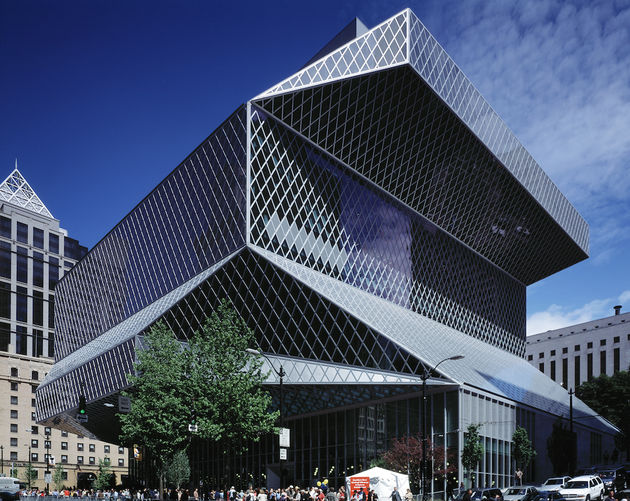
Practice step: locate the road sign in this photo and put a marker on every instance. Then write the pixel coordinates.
(285, 437)
(192, 428)
(48, 477)
(82, 418)
(124, 404)
(283, 454)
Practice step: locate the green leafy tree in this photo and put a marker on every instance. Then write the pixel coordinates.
(57, 477)
(14, 472)
(472, 451)
(522, 450)
(178, 469)
(211, 380)
(105, 477)
(610, 395)
(30, 474)
(561, 448)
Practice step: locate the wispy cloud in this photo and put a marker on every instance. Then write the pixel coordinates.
(558, 72)
(556, 316)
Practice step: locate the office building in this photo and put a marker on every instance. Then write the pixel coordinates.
(578, 353)
(370, 218)
(35, 253)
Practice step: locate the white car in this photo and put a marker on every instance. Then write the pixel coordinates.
(554, 484)
(584, 488)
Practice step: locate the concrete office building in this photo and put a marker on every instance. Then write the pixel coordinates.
(578, 353)
(371, 218)
(35, 253)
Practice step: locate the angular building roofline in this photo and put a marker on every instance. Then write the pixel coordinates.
(16, 190)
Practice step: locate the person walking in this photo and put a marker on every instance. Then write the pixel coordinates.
(396, 495)
(408, 495)
(610, 497)
(468, 495)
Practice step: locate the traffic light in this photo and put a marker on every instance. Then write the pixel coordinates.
(82, 405)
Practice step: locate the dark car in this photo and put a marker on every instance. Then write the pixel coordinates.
(614, 478)
(549, 496)
(482, 494)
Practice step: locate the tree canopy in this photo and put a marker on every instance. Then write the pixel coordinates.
(561, 448)
(209, 380)
(610, 396)
(472, 451)
(522, 449)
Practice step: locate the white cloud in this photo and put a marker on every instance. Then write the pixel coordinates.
(556, 317)
(624, 297)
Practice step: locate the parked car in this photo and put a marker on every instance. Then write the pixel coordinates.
(554, 483)
(585, 487)
(614, 478)
(520, 493)
(549, 496)
(482, 494)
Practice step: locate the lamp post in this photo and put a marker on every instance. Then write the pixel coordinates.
(2, 458)
(30, 466)
(47, 444)
(281, 375)
(573, 454)
(426, 375)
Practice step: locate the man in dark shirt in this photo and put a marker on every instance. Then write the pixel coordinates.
(468, 495)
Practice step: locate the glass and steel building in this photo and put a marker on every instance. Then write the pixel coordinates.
(369, 217)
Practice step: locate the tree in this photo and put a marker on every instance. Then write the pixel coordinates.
(58, 477)
(472, 451)
(177, 470)
(610, 395)
(211, 380)
(405, 456)
(105, 477)
(30, 474)
(561, 448)
(14, 472)
(522, 450)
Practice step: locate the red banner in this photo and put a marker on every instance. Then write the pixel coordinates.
(358, 484)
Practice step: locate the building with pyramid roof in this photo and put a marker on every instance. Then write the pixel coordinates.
(370, 217)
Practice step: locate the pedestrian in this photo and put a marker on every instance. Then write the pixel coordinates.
(396, 495)
(519, 476)
(408, 495)
(330, 494)
(372, 495)
(467, 495)
(610, 497)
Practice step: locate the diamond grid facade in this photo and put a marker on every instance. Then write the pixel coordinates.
(367, 222)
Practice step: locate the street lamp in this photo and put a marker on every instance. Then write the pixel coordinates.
(30, 466)
(281, 375)
(426, 375)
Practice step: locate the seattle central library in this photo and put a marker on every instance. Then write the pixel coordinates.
(368, 217)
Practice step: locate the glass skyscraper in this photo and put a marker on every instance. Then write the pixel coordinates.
(369, 217)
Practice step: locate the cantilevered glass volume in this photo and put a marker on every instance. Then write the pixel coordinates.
(369, 217)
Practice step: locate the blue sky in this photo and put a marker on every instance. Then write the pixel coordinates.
(100, 100)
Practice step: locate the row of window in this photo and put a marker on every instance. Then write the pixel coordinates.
(13, 456)
(577, 367)
(16, 373)
(71, 247)
(577, 347)
(21, 268)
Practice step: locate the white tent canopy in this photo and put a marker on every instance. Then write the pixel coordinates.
(382, 481)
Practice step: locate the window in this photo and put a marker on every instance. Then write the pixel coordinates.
(552, 370)
(14, 386)
(64, 446)
(14, 414)
(33, 417)
(14, 372)
(34, 443)
(21, 339)
(47, 444)
(33, 388)
(14, 441)
(576, 347)
(107, 461)
(589, 345)
(47, 430)
(38, 269)
(106, 449)
(79, 459)
(13, 428)
(589, 367)
(121, 462)
(79, 446)
(92, 448)
(5, 260)
(51, 343)
(64, 433)
(5, 300)
(38, 344)
(21, 300)
(616, 339)
(53, 243)
(553, 353)
(35, 375)
(5, 227)
(602, 342)
(33, 402)
(602, 362)
(121, 450)
(92, 460)
(38, 308)
(38, 238)
(22, 233)
(616, 360)
(22, 265)
(53, 272)
(14, 400)
(34, 458)
(5, 336)
(530, 357)
(64, 475)
(14, 456)
(541, 367)
(64, 458)
(541, 355)
(565, 350)
(35, 430)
